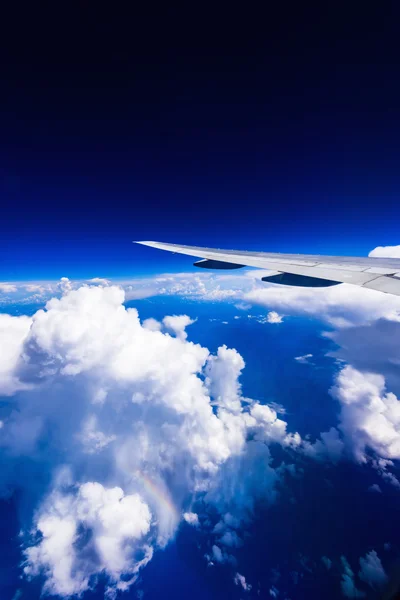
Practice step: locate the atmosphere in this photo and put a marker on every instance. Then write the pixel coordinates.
(212, 413)
(273, 131)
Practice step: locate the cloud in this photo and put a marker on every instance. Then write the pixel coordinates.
(177, 324)
(349, 588)
(240, 580)
(230, 539)
(372, 348)
(35, 288)
(274, 317)
(372, 571)
(8, 288)
(13, 332)
(370, 416)
(329, 447)
(191, 518)
(303, 359)
(375, 488)
(340, 306)
(386, 252)
(327, 562)
(65, 285)
(152, 324)
(99, 281)
(148, 424)
(117, 522)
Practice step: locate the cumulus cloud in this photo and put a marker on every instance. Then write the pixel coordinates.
(99, 281)
(386, 252)
(372, 571)
(274, 317)
(370, 416)
(341, 306)
(65, 285)
(191, 518)
(240, 580)
(13, 332)
(330, 446)
(177, 324)
(149, 424)
(117, 523)
(349, 587)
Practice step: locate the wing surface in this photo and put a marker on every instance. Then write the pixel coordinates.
(382, 274)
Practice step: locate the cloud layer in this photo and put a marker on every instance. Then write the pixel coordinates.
(130, 425)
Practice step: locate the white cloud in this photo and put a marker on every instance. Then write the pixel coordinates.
(341, 306)
(65, 285)
(152, 324)
(35, 288)
(99, 281)
(303, 359)
(274, 317)
(329, 447)
(217, 554)
(223, 373)
(92, 439)
(177, 324)
(13, 333)
(117, 523)
(372, 571)
(241, 581)
(191, 518)
(370, 416)
(8, 288)
(145, 420)
(386, 252)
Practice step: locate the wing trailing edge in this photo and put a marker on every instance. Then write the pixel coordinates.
(380, 274)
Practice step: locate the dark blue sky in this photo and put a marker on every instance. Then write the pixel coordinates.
(273, 129)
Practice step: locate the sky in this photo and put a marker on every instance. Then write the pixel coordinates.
(271, 130)
(171, 432)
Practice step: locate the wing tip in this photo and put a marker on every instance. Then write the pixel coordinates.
(145, 243)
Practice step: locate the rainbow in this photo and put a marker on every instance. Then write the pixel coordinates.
(158, 494)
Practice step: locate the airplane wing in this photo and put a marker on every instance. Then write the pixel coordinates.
(308, 270)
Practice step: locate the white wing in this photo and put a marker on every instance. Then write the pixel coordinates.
(382, 274)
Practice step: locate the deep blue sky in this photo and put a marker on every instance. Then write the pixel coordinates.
(275, 130)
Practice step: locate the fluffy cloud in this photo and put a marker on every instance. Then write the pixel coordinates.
(241, 581)
(386, 252)
(13, 332)
(370, 416)
(274, 317)
(372, 571)
(191, 518)
(177, 324)
(341, 306)
(349, 587)
(117, 523)
(149, 423)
